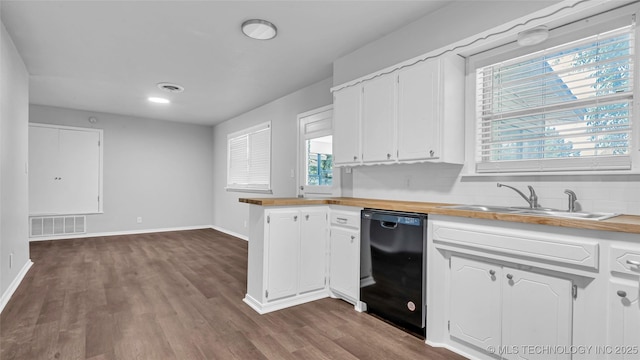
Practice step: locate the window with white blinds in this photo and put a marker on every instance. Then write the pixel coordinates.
(566, 108)
(249, 159)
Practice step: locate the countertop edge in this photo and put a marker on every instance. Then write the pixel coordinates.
(622, 223)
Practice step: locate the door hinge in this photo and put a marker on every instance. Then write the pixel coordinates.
(98, 142)
(449, 325)
(98, 198)
(574, 291)
(266, 293)
(268, 219)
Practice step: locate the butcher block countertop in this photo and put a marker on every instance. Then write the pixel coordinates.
(621, 223)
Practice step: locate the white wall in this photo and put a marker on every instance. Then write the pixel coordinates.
(159, 170)
(228, 213)
(14, 200)
(452, 23)
(444, 183)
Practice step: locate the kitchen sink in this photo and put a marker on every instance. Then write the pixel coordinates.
(499, 209)
(535, 212)
(568, 215)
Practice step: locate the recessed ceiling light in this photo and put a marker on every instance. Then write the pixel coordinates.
(169, 87)
(158, 100)
(259, 29)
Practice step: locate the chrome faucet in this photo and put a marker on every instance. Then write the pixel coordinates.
(572, 200)
(532, 199)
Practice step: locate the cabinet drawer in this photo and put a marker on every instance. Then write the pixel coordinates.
(625, 260)
(346, 219)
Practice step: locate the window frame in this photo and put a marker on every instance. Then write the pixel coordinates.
(560, 34)
(302, 119)
(250, 185)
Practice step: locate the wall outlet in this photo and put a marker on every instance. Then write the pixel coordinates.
(139, 220)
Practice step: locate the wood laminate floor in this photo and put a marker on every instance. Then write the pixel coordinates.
(176, 295)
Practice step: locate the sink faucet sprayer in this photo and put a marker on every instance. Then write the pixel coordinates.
(532, 199)
(572, 200)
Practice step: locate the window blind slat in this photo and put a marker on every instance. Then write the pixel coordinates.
(249, 158)
(570, 101)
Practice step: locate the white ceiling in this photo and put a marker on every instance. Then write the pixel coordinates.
(107, 56)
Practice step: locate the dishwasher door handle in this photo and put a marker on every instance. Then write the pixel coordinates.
(388, 224)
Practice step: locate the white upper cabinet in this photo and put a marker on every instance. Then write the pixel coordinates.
(346, 125)
(418, 111)
(412, 114)
(379, 119)
(431, 111)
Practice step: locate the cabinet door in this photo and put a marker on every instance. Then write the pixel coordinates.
(44, 193)
(79, 171)
(313, 248)
(624, 320)
(418, 111)
(281, 255)
(475, 302)
(537, 310)
(345, 263)
(378, 119)
(346, 125)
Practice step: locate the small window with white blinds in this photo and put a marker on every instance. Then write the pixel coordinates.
(249, 159)
(566, 108)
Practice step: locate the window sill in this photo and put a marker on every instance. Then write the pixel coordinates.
(551, 173)
(245, 190)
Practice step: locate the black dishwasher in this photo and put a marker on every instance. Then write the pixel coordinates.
(392, 267)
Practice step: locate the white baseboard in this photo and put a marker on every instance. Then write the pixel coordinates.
(229, 232)
(115, 233)
(262, 309)
(14, 284)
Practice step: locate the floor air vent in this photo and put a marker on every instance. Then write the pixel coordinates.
(57, 225)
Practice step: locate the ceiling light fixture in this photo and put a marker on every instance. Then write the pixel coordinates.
(259, 29)
(158, 100)
(533, 36)
(170, 87)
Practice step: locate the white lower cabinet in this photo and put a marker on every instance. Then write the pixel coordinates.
(287, 257)
(344, 266)
(313, 250)
(282, 240)
(624, 320)
(344, 258)
(503, 310)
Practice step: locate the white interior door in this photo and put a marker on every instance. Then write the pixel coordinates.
(79, 164)
(65, 170)
(44, 193)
